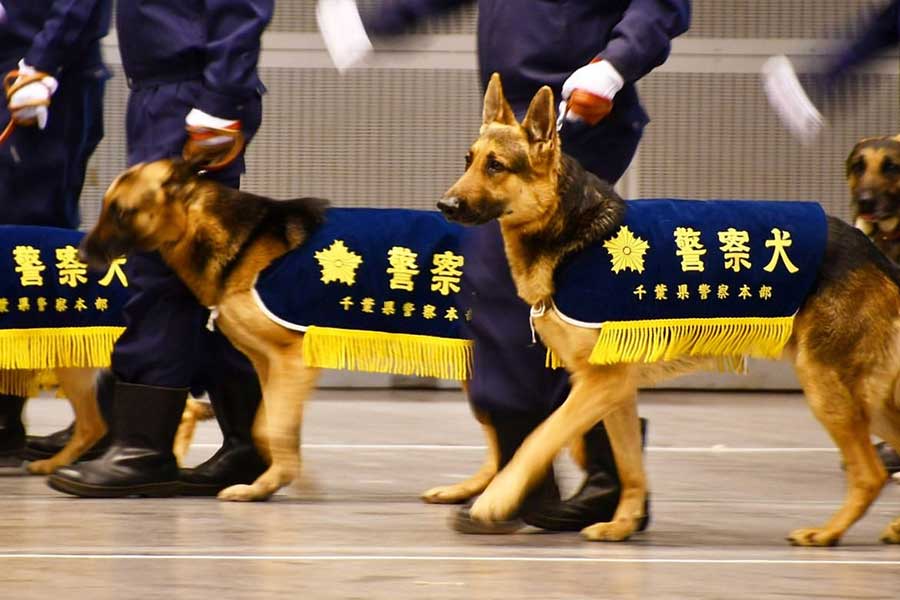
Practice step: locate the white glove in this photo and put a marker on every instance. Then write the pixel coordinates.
(598, 78)
(789, 100)
(343, 32)
(212, 142)
(29, 103)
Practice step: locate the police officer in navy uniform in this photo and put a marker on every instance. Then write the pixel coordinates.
(601, 47)
(57, 106)
(800, 115)
(190, 64)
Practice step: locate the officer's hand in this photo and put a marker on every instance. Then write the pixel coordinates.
(28, 95)
(212, 143)
(343, 31)
(588, 92)
(789, 100)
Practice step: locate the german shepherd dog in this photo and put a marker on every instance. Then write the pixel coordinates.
(218, 240)
(845, 344)
(873, 174)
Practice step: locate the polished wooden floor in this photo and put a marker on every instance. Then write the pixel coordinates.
(730, 474)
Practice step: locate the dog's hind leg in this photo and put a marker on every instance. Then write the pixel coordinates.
(596, 392)
(886, 425)
(844, 416)
(78, 384)
(287, 385)
(474, 485)
(624, 428)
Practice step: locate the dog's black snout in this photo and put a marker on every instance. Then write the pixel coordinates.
(449, 206)
(865, 202)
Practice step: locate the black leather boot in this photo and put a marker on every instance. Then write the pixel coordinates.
(598, 497)
(889, 457)
(39, 447)
(511, 429)
(12, 431)
(140, 461)
(235, 401)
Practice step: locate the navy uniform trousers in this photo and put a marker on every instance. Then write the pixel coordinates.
(166, 342)
(42, 171)
(509, 375)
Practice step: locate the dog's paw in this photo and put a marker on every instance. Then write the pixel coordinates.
(814, 536)
(447, 494)
(242, 493)
(43, 467)
(497, 503)
(891, 534)
(614, 531)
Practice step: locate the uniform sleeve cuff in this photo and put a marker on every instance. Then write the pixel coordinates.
(220, 105)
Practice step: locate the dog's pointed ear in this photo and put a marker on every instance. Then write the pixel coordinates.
(540, 121)
(496, 108)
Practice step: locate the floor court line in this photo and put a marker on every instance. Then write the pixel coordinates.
(446, 558)
(661, 449)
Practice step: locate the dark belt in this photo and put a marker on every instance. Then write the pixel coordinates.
(140, 83)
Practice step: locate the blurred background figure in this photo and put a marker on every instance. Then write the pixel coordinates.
(55, 101)
(590, 54)
(191, 68)
(797, 106)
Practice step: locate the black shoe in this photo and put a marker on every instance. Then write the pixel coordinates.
(40, 447)
(140, 461)
(597, 499)
(511, 430)
(12, 430)
(232, 464)
(889, 457)
(235, 401)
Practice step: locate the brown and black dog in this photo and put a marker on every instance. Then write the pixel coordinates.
(217, 240)
(873, 174)
(845, 343)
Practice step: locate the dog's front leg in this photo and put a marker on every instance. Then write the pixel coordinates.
(596, 392)
(624, 429)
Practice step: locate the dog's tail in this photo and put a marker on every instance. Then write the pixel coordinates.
(299, 217)
(309, 212)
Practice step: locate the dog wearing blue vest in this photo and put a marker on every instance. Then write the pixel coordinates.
(297, 288)
(626, 294)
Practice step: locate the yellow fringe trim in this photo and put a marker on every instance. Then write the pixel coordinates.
(46, 348)
(669, 339)
(394, 353)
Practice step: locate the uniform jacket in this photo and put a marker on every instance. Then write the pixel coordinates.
(53, 35)
(881, 33)
(541, 42)
(216, 41)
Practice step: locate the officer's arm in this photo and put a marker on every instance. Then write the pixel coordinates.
(63, 30)
(395, 16)
(642, 39)
(883, 32)
(234, 31)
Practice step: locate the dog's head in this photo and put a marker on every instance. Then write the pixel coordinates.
(143, 209)
(511, 169)
(873, 174)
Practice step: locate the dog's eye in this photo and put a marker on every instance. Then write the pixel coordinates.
(858, 168)
(468, 160)
(495, 166)
(889, 167)
(122, 214)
